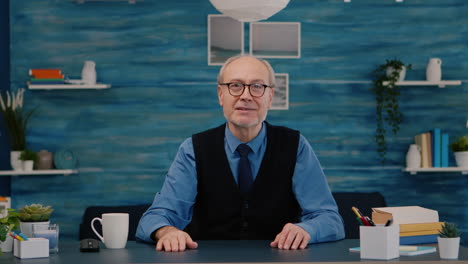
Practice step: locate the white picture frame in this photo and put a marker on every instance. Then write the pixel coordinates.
(281, 96)
(275, 39)
(225, 38)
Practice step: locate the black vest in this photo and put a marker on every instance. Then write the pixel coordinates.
(221, 212)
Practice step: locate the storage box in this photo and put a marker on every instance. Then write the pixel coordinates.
(379, 242)
(32, 248)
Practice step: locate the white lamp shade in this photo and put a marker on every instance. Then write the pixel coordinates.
(249, 10)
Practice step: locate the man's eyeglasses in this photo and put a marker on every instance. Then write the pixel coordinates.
(237, 88)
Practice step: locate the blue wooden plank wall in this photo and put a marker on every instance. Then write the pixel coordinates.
(154, 53)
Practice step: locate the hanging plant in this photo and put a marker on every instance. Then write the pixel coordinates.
(388, 114)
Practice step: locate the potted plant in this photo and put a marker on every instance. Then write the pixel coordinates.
(28, 157)
(7, 224)
(449, 241)
(16, 120)
(33, 214)
(460, 149)
(388, 114)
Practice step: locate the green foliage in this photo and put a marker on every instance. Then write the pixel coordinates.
(461, 144)
(35, 213)
(16, 120)
(28, 155)
(449, 230)
(8, 223)
(388, 114)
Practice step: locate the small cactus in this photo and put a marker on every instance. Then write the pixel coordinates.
(449, 230)
(35, 213)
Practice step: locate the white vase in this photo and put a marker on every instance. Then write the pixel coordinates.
(434, 70)
(402, 75)
(88, 73)
(461, 157)
(448, 247)
(7, 245)
(15, 162)
(413, 157)
(26, 227)
(28, 165)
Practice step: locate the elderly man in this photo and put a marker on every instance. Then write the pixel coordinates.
(245, 179)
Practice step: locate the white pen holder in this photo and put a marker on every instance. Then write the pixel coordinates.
(379, 242)
(32, 248)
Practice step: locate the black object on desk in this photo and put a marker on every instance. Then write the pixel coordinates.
(89, 245)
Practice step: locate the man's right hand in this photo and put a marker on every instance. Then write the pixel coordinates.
(172, 239)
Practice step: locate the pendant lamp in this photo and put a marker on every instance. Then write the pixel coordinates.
(249, 10)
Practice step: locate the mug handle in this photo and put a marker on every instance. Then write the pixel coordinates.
(94, 230)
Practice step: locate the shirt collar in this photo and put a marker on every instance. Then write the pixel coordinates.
(254, 144)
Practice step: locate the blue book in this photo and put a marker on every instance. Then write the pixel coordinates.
(436, 148)
(424, 239)
(444, 150)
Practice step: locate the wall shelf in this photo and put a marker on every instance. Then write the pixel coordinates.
(97, 86)
(441, 84)
(446, 169)
(36, 172)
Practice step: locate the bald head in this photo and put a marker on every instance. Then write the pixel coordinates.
(271, 72)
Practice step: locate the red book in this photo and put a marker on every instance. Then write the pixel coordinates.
(46, 73)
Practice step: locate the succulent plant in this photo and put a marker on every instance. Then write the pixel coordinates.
(449, 230)
(35, 213)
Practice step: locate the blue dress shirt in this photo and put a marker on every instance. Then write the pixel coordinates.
(173, 205)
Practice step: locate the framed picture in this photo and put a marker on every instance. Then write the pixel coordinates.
(281, 97)
(275, 39)
(225, 38)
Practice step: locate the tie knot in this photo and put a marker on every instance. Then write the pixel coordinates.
(243, 150)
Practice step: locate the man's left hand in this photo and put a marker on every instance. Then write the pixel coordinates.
(291, 237)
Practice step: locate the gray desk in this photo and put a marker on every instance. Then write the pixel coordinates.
(223, 252)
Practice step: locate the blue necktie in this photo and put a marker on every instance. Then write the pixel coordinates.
(244, 173)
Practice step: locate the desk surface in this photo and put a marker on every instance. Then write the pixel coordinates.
(222, 251)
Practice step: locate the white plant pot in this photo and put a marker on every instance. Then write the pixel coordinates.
(15, 162)
(461, 158)
(448, 247)
(28, 165)
(7, 245)
(26, 227)
(402, 76)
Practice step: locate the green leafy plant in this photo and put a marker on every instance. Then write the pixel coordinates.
(28, 155)
(8, 223)
(449, 230)
(35, 213)
(11, 106)
(388, 114)
(461, 144)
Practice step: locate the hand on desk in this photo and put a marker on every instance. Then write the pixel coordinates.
(291, 237)
(172, 239)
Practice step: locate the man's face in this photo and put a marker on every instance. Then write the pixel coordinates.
(245, 111)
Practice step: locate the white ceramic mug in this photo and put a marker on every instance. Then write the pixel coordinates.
(114, 229)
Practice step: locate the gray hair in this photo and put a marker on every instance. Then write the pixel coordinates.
(271, 77)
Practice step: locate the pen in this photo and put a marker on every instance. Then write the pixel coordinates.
(359, 220)
(356, 211)
(16, 236)
(364, 220)
(23, 236)
(369, 220)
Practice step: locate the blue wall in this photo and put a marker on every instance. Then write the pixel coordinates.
(154, 54)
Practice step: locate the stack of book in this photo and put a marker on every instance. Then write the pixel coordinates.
(418, 225)
(419, 233)
(434, 146)
(45, 76)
